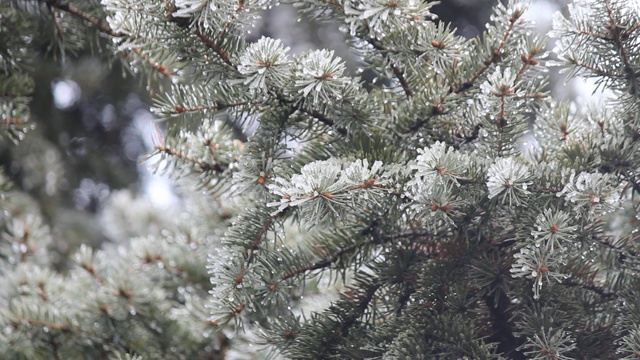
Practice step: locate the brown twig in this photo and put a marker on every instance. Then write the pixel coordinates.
(248, 254)
(593, 69)
(159, 67)
(59, 31)
(214, 45)
(84, 16)
(617, 37)
(399, 73)
(204, 166)
(466, 85)
(313, 113)
(331, 258)
(179, 109)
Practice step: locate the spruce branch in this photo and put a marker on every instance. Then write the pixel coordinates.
(373, 238)
(602, 291)
(54, 347)
(218, 106)
(397, 70)
(56, 22)
(201, 164)
(614, 30)
(502, 324)
(50, 325)
(95, 22)
(325, 120)
(92, 271)
(496, 56)
(335, 5)
(316, 114)
(105, 29)
(593, 69)
(154, 64)
(325, 262)
(225, 28)
(345, 316)
(248, 254)
(399, 73)
(213, 45)
(423, 234)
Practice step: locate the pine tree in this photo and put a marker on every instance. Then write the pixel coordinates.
(336, 217)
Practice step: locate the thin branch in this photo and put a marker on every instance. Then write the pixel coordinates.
(325, 262)
(361, 301)
(617, 37)
(337, 6)
(495, 57)
(214, 45)
(179, 109)
(397, 71)
(159, 67)
(59, 31)
(325, 120)
(54, 347)
(84, 16)
(606, 293)
(593, 69)
(204, 166)
(313, 113)
(92, 271)
(331, 258)
(50, 325)
(248, 254)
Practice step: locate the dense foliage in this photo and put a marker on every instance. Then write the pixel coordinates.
(447, 207)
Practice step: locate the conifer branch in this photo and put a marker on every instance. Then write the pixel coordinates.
(313, 113)
(227, 25)
(399, 73)
(177, 270)
(179, 109)
(419, 218)
(335, 256)
(56, 22)
(334, 4)
(216, 45)
(496, 55)
(24, 240)
(397, 70)
(468, 84)
(92, 271)
(614, 29)
(201, 164)
(213, 45)
(102, 27)
(502, 323)
(358, 300)
(324, 119)
(54, 347)
(105, 29)
(248, 253)
(604, 292)
(54, 326)
(325, 262)
(593, 69)
(159, 67)
(501, 121)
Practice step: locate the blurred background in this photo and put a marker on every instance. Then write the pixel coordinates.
(83, 164)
